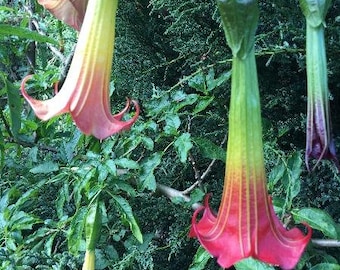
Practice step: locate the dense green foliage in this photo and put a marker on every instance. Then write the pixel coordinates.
(171, 56)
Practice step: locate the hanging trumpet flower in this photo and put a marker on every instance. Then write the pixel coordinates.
(319, 142)
(245, 225)
(85, 93)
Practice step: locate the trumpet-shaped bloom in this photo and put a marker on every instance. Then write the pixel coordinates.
(319, 141)
(85, 92)
(246, 225)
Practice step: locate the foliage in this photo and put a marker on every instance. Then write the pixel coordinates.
(172, 56)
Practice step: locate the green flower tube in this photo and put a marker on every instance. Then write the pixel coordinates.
(319, 141)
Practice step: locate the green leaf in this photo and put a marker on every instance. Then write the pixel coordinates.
(172, 123)
(252, 264)
(326, 266)
(202, 104)
(148, 166)
(75, 232)
(9, 30)
(125, 209)
(198, 82)
(126, 163)
(183, 145)
(317, 219)
(209, 149)
(200, 259)
(213, 83)
(14, 104)
(44, 168)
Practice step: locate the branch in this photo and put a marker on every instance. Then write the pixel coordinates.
(173, 193)
(197, 173)
(326, 242)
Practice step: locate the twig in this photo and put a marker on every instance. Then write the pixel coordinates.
(198, 176)
(173, 193)
(326, 242)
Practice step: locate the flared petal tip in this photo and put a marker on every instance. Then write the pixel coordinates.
(44, 109)
(271, 243)
(114, 125)
(316, 150)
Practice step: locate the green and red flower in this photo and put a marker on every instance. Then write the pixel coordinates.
(246, 224)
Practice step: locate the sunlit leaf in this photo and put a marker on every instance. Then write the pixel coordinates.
(46, 167)
(317, 219)
(9, 30)
(252, 264)
(200, 259)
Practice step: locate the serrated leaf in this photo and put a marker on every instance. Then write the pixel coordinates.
(44, 168)
(182, 145)
(209, 149)
(252, 264)
(148, 166)
(317, 219)
(200, 259)
(125, 209)
(9, 30)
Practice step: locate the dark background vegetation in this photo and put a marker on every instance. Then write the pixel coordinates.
(172, 56)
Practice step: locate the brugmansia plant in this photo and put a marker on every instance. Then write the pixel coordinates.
(85, 93)
(319, 141)
(245, 225)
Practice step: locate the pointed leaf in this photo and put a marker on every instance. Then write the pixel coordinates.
(9, 30)
(44, 168)
(317, 219)
(127, 215)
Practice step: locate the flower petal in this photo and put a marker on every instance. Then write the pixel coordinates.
(71, 12)
(269, 241)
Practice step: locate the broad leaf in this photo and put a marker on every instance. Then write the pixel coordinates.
(182, 145)
(317, 219)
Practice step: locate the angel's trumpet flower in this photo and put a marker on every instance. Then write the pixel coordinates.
(319, 141)
(85, 92)
(245, 225)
